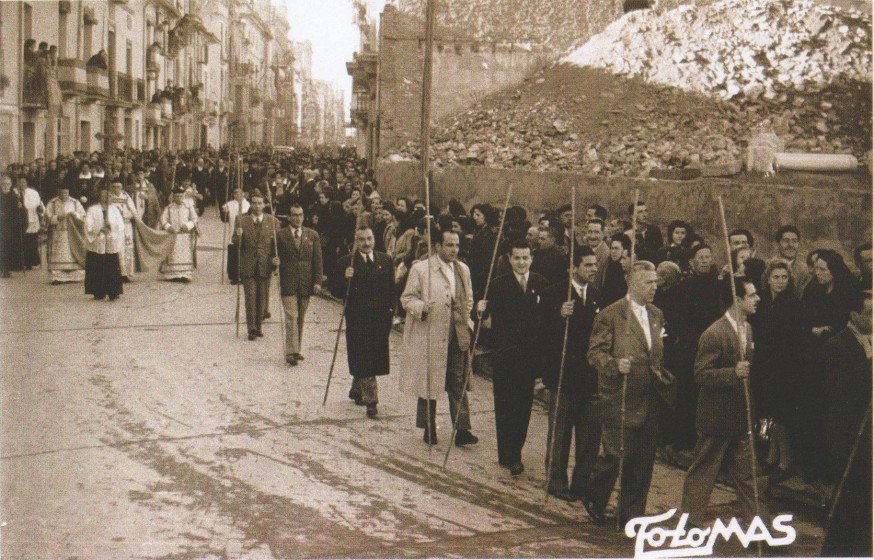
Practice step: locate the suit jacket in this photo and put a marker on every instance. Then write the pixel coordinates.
(299, 268)
(257, 249)
(580, 379)
(602, 252)
(721, 402)
(551, 263)
(648, 244)
(617, 334)
(371, 294)
(512, 313)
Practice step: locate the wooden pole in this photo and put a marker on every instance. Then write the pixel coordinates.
(567, 324)
(339, 330)
(742, 350)
(228, 224)
(628, 320)
(278, 281)
(426, 169)
(239, 244)
(469, 369)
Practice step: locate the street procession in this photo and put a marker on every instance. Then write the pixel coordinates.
(246, 247)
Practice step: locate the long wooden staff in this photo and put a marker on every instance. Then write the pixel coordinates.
(567, 324)
(278, 281)
(742, 351)
(469, 369)
(239, 243)
(227, 224)
(339, 330)
(839, 489)
(625, 377)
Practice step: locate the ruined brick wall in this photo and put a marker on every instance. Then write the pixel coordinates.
(465, 70)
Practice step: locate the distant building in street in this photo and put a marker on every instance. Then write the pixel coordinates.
(171, 74)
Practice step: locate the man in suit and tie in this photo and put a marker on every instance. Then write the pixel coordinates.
(626, 345)
(573, 408)
(438, 304)
(595, 241)
(368, 278)
(649, 236)
(721, 421)
(513, 303)
(254, 232)
(300, 276)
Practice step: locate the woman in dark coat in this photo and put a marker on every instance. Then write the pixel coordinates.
(827, 302)
(482, 246)
(615, 286)
(11, 228)
(778, 328)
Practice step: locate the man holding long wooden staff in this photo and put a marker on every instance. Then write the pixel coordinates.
(724, 415)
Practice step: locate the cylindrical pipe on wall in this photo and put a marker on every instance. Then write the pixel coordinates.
(815, 162)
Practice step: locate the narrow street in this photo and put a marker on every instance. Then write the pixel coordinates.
(144, 428)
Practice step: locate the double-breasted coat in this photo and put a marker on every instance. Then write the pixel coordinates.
(369, 311)
(417, 296)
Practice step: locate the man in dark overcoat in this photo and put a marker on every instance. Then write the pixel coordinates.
(626, 342)
(369, 277)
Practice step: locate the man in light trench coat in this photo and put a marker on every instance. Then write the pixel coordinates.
(438, 313)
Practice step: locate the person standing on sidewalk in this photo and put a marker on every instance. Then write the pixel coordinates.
(300, 276)
(368, 278)
(438, 305)
(254, 233)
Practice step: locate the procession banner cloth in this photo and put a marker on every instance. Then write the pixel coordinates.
(152, 246)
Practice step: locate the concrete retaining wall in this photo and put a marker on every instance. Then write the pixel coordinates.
(830, 212)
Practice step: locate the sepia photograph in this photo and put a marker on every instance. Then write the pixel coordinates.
(291, 279)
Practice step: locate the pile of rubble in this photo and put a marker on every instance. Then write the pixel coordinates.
(684, 88)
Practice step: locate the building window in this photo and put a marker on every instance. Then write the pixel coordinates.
(129, 59)
(62, 35)
(28, 21)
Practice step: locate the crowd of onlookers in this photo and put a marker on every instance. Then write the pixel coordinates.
(807, 295)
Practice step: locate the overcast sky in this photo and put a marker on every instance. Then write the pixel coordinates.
(329, 24)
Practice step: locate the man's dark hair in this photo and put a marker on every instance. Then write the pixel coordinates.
(554, 232)
(740, 283)
(622, 238)
(442, 237)
(563, 208)
(584, 251)
(600, 211)
(598, 221)
(694, 251)
(857, 252)
(745, 232)
(789, 228)
(631, 207)
(518, 244)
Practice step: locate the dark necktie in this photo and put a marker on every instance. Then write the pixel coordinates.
(297, 239)
(522, 283)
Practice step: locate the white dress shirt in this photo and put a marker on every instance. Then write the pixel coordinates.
(642, 316)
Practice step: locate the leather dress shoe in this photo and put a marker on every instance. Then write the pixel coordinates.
(252, 335)
(565, 495)
(266, 314)
(596, 513)
(464, 437)
(372, 411)
(516, 469)
(299, 357)
(291, 360)
(259, 333)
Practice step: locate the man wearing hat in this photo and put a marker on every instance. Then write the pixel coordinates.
(181, 219)
(254, 232)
